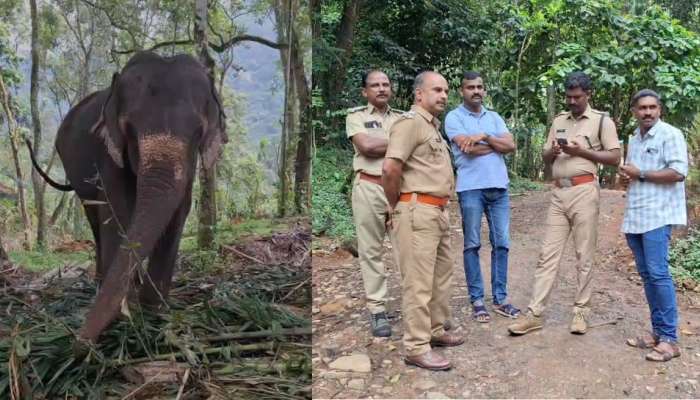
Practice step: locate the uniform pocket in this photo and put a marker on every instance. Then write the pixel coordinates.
(588, 142)
(436, 149)
(425, 218)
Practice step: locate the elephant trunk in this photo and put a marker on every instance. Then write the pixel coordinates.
(161, 186)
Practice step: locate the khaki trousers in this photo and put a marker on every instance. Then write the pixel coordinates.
(421, 243)
(369, 210)
(571, 210)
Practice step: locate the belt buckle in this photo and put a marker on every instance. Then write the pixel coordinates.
(566, 182)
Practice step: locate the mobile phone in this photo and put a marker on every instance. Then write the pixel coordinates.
(561, 141)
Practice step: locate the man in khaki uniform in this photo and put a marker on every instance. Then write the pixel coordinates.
(418, 181)
(368, 129)
(578, 140)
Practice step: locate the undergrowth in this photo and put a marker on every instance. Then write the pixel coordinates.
(42, 260)
(519, 185)
(332, 187)
(685, 257)
(38, 353)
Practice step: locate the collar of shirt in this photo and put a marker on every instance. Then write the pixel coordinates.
(650, 133)
(425, 114)
(371, 109)
(480, 114)
(587, 114)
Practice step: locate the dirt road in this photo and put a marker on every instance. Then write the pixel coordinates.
(551, 363)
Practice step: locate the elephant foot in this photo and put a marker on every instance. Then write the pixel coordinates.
(153, 305)
(81, 348)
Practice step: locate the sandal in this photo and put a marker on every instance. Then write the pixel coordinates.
(664, 354)
(481, 314)
(644, 341)
(507, 310)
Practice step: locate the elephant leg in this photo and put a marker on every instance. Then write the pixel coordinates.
(92, 215)
(114, 218)
(161, 263)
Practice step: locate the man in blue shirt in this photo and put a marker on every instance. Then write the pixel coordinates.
(479, 139)
(656, 166)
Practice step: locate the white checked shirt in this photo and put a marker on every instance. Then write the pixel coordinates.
(653, 205)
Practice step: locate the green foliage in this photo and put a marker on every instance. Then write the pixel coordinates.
(42, 260)
(519, 185)
(523, 48)
(685, 257)
(332, 211)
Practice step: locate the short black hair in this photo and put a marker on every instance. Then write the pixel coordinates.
(578, 79)
(470, 75)
(369, 72)
(644, 93)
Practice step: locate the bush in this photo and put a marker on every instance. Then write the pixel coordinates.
(520, 185)
(685, 257)
(331, 182)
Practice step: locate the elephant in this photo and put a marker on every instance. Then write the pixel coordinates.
(130, 153)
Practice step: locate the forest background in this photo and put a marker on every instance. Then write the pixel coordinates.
(54, 53)
(524, 49)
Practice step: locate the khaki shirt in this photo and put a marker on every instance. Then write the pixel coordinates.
(416, 141)
(584, 132)
(367, 119)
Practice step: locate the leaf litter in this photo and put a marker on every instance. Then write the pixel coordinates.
(242, 331)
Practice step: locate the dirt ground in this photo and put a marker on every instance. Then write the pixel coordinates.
(550, 363)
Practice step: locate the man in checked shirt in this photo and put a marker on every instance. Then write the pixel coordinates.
(655, 170)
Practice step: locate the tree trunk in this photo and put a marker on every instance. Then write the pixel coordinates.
(14, 139)
(77, 217)
(283, 23)
(302, 163)
(207, 177)
(59, 209)
(551, 113)
(39, 184)
(344, 42)
(4, 258)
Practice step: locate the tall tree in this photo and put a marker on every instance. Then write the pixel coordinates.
(207, 177)
(39, 184)
(344, 39)
(302, 163)
(14, 141)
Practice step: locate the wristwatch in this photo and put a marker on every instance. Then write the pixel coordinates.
(642, 176)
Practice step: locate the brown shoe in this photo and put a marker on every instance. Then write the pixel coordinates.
(447, 340)
(430, 360)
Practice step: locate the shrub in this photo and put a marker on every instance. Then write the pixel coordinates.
(685, 257)
(331, 182)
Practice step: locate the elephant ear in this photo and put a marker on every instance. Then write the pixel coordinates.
(107, 127)
(214, 130)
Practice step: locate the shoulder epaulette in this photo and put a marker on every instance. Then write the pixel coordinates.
(356, 109)
(408, 114)
(394, 110)
(600, 112)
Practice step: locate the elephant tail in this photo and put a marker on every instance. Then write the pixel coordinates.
(47, 179)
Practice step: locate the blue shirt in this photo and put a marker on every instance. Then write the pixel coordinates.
(653, 205)
(477, 172)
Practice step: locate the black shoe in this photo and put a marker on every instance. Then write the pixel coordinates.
(380, 325)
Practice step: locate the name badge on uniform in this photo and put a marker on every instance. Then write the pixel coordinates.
(561, 133)
(373, 124)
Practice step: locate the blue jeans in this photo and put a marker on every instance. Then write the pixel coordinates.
(495, 203)
(651, 255)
